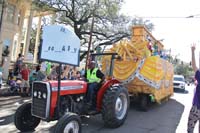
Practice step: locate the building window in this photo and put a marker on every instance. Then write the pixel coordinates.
(10, 13)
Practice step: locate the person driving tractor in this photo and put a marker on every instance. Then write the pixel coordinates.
(94, 78)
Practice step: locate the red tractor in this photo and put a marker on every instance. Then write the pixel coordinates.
(67, 104)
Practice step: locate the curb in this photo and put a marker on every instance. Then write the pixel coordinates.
(4, 89)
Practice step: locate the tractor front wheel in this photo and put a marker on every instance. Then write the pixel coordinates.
(69, 123)
(24, 121)
(115, 106)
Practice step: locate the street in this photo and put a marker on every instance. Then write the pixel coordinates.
(168, 117)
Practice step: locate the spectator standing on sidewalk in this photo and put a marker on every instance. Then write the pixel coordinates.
(53, 75)
(32, 76)
(65, 72)
(78, 75)
(82, 72)
(74, 70)
(194, 115)
(71, 74)
(40, 76)
(18, 64)
(43, 67)
(48, 70)
(25, 72)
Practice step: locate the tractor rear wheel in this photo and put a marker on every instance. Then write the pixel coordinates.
(115, 106)
(69, 123)
(24, 121)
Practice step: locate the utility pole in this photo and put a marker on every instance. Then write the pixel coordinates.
(90, 41)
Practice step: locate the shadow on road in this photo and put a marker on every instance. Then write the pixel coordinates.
(6, 92)
(162, 118)
(181, 91)
(9, 101)
(6, 120)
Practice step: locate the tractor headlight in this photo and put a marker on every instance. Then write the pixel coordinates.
(81, 97)
(35, 93)
(78, 99)
(44, 95)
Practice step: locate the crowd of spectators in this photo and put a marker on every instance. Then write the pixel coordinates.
(24, 75)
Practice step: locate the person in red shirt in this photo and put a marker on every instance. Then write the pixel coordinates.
(25, 72)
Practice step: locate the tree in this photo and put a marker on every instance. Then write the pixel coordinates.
(109, 25)
(34, 32)
(32, 40)
(183, 69)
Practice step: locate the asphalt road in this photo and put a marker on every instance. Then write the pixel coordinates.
(168, 117)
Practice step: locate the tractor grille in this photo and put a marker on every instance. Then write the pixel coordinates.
(39, 99)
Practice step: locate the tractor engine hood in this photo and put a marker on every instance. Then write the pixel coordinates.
(69, 86)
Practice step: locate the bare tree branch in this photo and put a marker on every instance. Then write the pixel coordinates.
(109, 25)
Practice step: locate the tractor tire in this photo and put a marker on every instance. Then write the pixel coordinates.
(23, 119)
(69, 123)
(115, 106)
(144, 102)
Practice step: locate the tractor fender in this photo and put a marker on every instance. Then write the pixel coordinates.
(102, 91)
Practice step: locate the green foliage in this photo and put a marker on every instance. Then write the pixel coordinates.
(32, 40)
(183, 69)
(109, 25)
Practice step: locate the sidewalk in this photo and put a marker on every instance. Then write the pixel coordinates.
(4, 89)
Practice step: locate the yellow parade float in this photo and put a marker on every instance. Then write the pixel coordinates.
(140, 66)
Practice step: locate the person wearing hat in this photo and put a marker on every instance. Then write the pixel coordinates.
(94, 78)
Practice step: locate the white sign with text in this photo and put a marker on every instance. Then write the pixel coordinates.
(60, 45)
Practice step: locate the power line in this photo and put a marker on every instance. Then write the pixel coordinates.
(169, 17)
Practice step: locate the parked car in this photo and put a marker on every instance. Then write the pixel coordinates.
(179, 82)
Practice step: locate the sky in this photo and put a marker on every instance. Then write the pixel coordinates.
(171, 23)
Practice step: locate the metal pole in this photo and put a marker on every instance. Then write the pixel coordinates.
(58, 92)
(91, 31)
(111, 65)
(90, 41)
